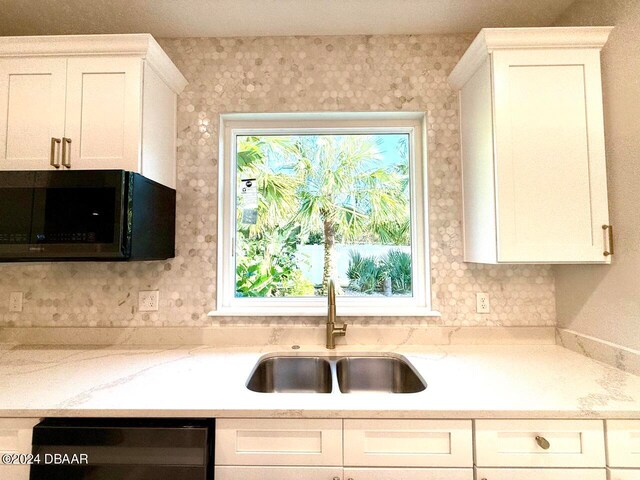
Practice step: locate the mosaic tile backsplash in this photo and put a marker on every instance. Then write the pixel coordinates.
(288, 74)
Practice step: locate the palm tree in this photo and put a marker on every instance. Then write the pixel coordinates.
(333, 183)
(265, 251)
(347, 191)
(276, 184)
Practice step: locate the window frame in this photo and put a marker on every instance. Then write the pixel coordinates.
(234, 125)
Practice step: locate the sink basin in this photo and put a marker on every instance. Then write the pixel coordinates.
(291, 375)
(377, 374)
(314, 374)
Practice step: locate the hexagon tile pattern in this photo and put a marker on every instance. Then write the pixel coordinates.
(288, 74)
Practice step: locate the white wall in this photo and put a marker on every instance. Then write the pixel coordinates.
(604, 301)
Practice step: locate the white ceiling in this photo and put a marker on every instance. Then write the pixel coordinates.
(209, 18)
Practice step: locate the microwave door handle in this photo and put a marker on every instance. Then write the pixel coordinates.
(54, 159)
(66, 152)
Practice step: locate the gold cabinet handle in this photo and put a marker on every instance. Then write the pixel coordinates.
(543, 442)
(54, 158)
(66, 152)
(606, 253)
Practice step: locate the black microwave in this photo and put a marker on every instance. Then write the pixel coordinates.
(85, 215)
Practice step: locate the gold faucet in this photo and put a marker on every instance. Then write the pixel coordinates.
(332, 330)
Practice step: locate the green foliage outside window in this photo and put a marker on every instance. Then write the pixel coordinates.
(367, 274)
(321, 190)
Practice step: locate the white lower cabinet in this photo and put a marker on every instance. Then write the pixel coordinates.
(278, 442)
(540, 443)
(623, 443)
(408, 443)
(623, 474)
(623, 449)
(15, 438)
(330, 449)
(540, 474)
(420, 449)
(408, 474)
(337, 473)
(540, 450)
(278, 473)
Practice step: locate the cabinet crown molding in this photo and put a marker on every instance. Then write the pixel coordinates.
(492, 39)
(141, 45)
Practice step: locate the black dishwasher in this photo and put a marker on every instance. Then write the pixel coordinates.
(123, 449)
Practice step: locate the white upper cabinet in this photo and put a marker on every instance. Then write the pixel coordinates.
(88, 102)
(32, 91)
(104, 102)
(532, 141)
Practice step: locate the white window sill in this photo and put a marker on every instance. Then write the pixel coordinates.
(322, 311)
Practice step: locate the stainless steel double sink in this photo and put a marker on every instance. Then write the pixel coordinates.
(388, 373)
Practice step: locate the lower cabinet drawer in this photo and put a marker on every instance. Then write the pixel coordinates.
(408, 443)
(540, 443)
(278, 473)
(623, 443)
(244, 441)
(540, 474)
(408, 474)
(623, 474)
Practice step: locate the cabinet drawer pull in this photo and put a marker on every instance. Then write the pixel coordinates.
(66, 152)
(606, 253)
(54, 159)
(336, 478)
(543, 442)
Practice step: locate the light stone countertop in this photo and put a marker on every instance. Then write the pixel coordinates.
(467, 381)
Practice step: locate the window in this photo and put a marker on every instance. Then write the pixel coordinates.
(309, 197)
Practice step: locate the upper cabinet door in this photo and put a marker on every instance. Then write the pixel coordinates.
(104, 111)
(32, 111)
(549, 147)
(532, 146)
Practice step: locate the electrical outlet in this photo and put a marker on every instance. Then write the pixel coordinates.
(482, 303)
(148, 300)
(15, 302)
